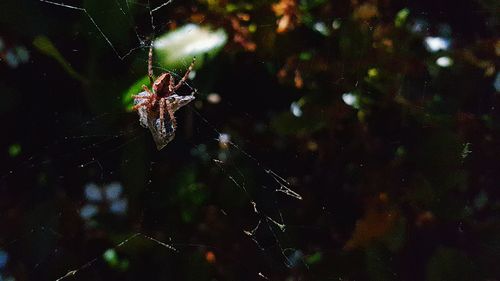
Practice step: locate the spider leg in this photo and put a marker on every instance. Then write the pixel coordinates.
(162, 112)
(150, 63)
(171, 84)
(146, 89)
(171, 114)
(152, 96)
(148, 96)
(146, 99)
(137, 106)
(184, 78)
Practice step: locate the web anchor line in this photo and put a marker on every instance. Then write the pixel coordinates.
(121, 57)
(161, 6)
(73, 272)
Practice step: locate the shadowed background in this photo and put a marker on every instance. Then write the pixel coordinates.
(382, 115)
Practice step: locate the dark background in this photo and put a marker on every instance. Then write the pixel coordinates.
(403, 185)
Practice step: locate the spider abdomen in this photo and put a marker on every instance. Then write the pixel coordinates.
(159, 86)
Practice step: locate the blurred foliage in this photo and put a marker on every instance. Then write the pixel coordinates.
(382, 115)
(180, 45)
(14, 150)
(45, 46)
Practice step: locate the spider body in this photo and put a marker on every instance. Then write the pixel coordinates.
(159, 84)
(160, 103)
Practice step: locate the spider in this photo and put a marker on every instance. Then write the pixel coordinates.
(161, 89)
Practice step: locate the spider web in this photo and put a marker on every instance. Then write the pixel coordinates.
(90, 150)
(391, 110)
